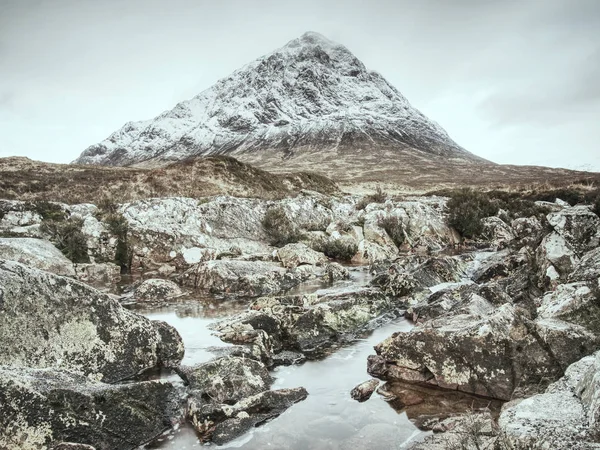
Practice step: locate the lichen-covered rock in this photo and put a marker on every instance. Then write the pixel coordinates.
(555, 419)
(579, 226)
(43, 407)
(493, 356)
(222, 423)
(309, 324)
(98, 273)
(575, 303)
(227, 379)
(497, 232)
(555, 250)
(157, 290)
(527, 230)
(52, 321)
(588, 268)
(335, 272)
(293, 255)
(244, 278)
(588, 391)
(37, 253)
(72, 446)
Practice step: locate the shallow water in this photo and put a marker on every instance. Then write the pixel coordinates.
(328, 418)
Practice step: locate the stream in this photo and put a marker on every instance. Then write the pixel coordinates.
(329, 418)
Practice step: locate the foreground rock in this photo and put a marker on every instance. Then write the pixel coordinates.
(563, 417)
(37, 253)
(499, 355)
(51, 321)
(579, 226)
(43, 407)
(309, 324)
(223, 422)
(230, 395)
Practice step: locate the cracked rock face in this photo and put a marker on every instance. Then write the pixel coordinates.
(43, 407)
(493, 356)
(52, 321)
(579, 226)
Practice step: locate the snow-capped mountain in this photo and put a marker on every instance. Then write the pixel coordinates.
(311, 96)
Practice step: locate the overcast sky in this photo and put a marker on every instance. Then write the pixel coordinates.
(513, 81)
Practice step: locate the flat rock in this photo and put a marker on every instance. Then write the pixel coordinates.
(37, 253)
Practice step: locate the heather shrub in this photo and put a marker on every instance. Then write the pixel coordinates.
(279, 228)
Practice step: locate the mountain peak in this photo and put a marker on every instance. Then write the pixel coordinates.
(311, 96)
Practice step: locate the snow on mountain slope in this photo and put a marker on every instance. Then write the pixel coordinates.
(310, 96)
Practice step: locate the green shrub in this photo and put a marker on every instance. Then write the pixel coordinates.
(340, 249)
(466, 209)
(118, 226)
(48, 210)
(67, 236)
(279, 228)
(394, 227)
(379, 196)
(596, 206)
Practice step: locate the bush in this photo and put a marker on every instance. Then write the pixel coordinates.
(379, 196)
(466, 209)
(279, 228)
(596, 206)
(394, 227)
(68, 238)
(118, 226)
(340, 249)
(48, 211)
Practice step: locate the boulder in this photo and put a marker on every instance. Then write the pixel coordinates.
(588, 391)
(497, 355)
(37, 253)
(157, 290)
(555, 250)
(588, 268)
(227, 379)
(244, 278)
(40, 408)
(528, 230)
(363, 391)
(335, 272)
(579, 226)
(52, 321)
(293, 255)
(575, 303)
(222, 423)
(497, 232)
(555, 419)
(310, 324)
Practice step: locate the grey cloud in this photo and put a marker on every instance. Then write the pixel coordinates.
(478, 67)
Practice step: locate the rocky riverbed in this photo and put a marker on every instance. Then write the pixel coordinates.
(251, 323)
